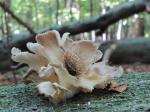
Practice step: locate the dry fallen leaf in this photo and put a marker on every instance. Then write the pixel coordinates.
(119, 88)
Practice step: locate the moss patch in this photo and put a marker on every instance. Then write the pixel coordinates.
(25, 98)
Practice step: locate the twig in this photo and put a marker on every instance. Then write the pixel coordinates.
(14, 76)
(13, 69)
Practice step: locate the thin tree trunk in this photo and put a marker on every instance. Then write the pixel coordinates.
(91, 7)
(2, 24)
(57, 12)
(70, 8)
(36, 13)
(8, 28)
(119, 30)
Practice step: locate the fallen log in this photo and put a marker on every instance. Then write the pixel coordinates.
(17, 41)
(24, 98)
(129, 51)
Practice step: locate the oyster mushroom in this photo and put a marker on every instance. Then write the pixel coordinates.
(66, 67)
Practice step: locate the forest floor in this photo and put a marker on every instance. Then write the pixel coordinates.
(9, 79)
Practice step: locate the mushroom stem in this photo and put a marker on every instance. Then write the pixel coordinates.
(55, 65)
(62, 48)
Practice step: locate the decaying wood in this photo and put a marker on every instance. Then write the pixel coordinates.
(25, 98)
(129, 51)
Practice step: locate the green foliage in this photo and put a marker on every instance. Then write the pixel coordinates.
(40, 14)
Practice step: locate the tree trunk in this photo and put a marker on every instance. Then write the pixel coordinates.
(137, 28)
(25, 98)
(57, 12)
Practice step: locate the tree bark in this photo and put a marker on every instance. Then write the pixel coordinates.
(129, 51)
(57, 12)
(16, 41)
(137, 28)
(25, 98)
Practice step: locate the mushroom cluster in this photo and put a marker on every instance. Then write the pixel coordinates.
(66, 67)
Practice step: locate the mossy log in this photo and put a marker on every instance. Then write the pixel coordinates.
(24, 98)
(129, 51)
